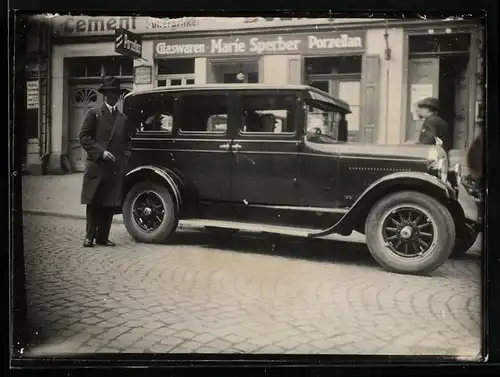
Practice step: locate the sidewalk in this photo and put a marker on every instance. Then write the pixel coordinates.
(59, 195)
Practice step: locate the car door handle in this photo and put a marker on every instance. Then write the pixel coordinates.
(224, 146)
(236, 147)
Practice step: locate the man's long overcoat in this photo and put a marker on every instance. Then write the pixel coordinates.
(98, 134)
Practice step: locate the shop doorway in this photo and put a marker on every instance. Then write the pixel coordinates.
(85, 76)
(439, 66)
(341, 78)
(235, 72)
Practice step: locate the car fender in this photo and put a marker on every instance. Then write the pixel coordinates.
(173, 180)
(407, 180)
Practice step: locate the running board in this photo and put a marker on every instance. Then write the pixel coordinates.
(251, 227)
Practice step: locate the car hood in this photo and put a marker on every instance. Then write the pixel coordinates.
(396, 151)
(400, 151)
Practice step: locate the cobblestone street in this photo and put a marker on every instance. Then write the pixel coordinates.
(247, 294)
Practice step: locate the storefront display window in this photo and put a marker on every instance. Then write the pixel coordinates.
(175, 72)
(97, 67)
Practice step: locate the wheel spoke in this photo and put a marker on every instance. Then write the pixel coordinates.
(423, 243)
(402, 231)
(398, 244)
(395, 222)
(401, 218)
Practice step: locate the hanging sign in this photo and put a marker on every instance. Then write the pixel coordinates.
(143, 74)
(418, 93)
(297, 43)
(128, 43)
(32, 94)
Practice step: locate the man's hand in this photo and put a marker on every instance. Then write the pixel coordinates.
(108, 156)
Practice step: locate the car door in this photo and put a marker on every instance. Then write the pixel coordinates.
(264, 149)
(201, 147)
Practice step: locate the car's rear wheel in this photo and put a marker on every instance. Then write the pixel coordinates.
(410, 232)
(221, 232)
(149, 213)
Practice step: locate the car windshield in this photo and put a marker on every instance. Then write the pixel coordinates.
(323, 119)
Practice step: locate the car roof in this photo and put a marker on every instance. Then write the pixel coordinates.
(207, 87)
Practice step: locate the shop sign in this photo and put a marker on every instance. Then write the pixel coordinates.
(303, 43)
(32, 94)
(143, 74)
(79, 26)
(128, 43)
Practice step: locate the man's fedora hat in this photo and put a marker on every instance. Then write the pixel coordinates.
(110, 84)
(430, 103)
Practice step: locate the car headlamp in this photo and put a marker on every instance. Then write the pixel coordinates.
(437, 163)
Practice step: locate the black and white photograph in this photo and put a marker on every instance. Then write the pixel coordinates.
(328, 202)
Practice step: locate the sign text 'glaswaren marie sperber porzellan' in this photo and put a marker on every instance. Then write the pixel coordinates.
(299, 43)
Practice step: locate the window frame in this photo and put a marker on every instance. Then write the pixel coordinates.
(268, 135)
(169, 78)
(210, 134)
(85, 59)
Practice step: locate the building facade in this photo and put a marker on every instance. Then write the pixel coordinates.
(380, 67)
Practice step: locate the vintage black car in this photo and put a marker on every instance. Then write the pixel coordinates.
(275, 158)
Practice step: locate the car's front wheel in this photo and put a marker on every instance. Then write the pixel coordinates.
(410, 232)
(149, 213)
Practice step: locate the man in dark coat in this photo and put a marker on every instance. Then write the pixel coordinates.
(105, 137)
(434, 126)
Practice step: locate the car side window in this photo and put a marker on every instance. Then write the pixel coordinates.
(204, 113)
(268, 114)
(158, 116)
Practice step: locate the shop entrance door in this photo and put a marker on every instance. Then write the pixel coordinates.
(423, 78)
(82, 99)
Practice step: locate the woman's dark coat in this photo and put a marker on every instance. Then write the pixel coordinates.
(97, 135)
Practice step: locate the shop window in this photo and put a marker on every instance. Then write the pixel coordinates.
(77, 68)
(211, 110)
(350, 92)
(439, 43)
(175, 67)
(334, 65)
(176, 80)
(159, 116)
(270, 114)
(112, 67)
(127, 67)
(94, 67)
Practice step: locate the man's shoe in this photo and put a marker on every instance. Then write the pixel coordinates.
(87, 243)
(106, 243)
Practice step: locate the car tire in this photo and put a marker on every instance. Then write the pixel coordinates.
(434, 227)
(221, 232)
(158, 195)
(463, 245)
